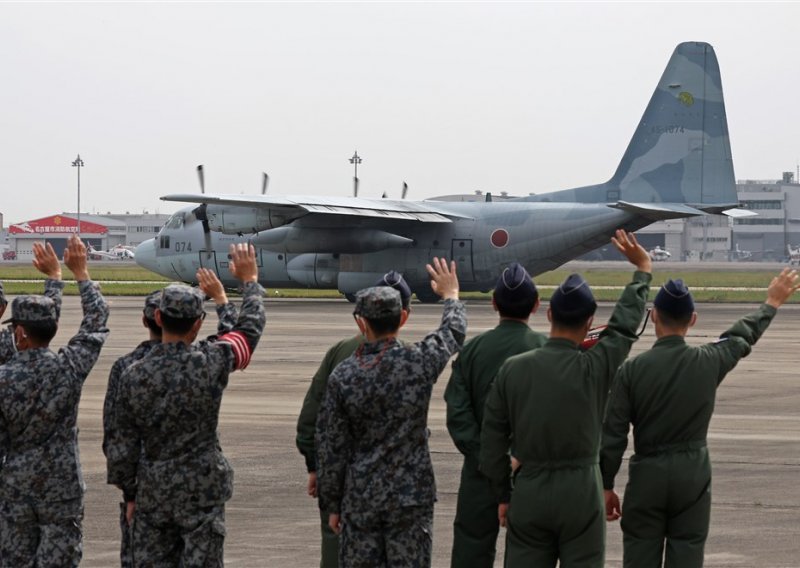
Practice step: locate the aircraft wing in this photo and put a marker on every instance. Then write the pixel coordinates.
(318, 205)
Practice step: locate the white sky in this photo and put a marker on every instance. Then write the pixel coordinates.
(450, 97)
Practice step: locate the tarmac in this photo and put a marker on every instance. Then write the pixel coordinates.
(754, 437)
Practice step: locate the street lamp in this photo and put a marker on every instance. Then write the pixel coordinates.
(355, 160)
(78, 163)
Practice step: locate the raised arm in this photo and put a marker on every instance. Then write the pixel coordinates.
(46, 262)
(227, 314)
(83, 349)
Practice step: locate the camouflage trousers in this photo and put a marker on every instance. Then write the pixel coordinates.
(179, 538)
(401, 538)
(41, 534)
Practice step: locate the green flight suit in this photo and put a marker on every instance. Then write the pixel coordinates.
(307, 426)
(668, 394)
(476, 526)
(552, 401)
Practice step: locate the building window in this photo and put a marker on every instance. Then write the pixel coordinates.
(763, 204)
(757, 221)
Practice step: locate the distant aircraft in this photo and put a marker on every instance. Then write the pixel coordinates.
(678, 164)
(739, 254)
(794, 255)
(658, 254)
(118, 252)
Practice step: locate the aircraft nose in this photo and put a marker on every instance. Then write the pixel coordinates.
(146, 255)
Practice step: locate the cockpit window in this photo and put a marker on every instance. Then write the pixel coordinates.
(174, 222)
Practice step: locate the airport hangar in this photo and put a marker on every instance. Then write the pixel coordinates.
(103, 232)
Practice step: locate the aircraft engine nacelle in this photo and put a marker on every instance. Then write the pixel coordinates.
(299, 240)
(314, 270)
(244, 220)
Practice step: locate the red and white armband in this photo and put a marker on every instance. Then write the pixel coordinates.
(241, 348)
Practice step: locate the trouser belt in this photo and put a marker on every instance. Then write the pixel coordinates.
(670, 448)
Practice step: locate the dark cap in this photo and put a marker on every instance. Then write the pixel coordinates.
(395, 280)
(674, 297)
(181, 301)
(151, 303)
(378, 302)
(573, 300)
(3, 300)
(515, 285)
(32, 309)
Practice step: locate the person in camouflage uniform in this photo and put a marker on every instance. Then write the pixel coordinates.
(668, 395)
(41, 486)
(375, 475)
(550, 402)
(307, 421)
(226, 314)
(476, 525)
(165, 451)
(46, 262)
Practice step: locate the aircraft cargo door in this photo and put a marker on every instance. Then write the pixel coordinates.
(462, 254)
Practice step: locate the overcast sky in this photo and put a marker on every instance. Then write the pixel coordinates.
(450, 97)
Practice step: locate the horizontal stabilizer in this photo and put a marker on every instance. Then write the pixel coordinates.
(659, 211)
(737, 213)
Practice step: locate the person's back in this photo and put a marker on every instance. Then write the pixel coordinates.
(41, 484)
(668, 395)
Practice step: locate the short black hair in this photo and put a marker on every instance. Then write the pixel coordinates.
(177, 326)
(153, 326)
(519, 309)
(673, 320)
(381, 326)
(41, 332)
(573, 320)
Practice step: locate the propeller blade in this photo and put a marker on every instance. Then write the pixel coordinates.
(384, 196)
(201, 178)
(355, 187)
(264, 184)
(488, 197)
(405, 190)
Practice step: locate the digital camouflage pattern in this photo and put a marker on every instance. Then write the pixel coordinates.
(164, 450)
(227, 315)
(181, 301)
(53, 290)
(372, 435)
(36, 535)
(39, 395)
(668, 395)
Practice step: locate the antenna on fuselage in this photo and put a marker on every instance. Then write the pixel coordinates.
(264, 183)
(405, 191)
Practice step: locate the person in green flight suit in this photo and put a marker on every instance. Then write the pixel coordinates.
(667, 394)
(307, 421)
(476, 524)
(551, 401)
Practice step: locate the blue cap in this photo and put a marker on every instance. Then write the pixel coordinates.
(674, 298)
(515, 285)
(395, 280)
(573, 300)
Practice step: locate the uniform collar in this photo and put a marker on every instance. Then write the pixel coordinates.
(670, 340)
(369, 347)
(561, 343)
(512, 322)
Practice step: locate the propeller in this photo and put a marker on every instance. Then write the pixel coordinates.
(201, 214)
(405, 191)
(355, 187)
(201, 178)
(384, 196)
(488, 197)
(264, 184)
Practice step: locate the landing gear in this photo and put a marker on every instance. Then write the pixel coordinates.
(427, 297)
(350, 297)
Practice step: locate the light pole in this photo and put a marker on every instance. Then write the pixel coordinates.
(355, 160)
(78, 163)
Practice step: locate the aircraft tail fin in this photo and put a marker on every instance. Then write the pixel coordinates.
(680, 152)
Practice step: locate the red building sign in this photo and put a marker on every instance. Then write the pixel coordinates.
(57, 224)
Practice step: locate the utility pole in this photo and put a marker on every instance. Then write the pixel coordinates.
(78, 163)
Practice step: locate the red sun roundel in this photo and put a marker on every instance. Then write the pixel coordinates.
(499, 238)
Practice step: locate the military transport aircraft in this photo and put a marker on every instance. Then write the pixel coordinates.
(678, 164)
(659, 254)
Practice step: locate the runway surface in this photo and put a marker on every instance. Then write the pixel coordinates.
(754, 437)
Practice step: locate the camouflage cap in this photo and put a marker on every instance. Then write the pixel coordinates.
(32, 309)
(378, 302)
(151, 303)
(181, 302)
(3, 300)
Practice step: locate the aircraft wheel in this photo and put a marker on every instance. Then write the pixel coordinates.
(427, 297)
(350, 298)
